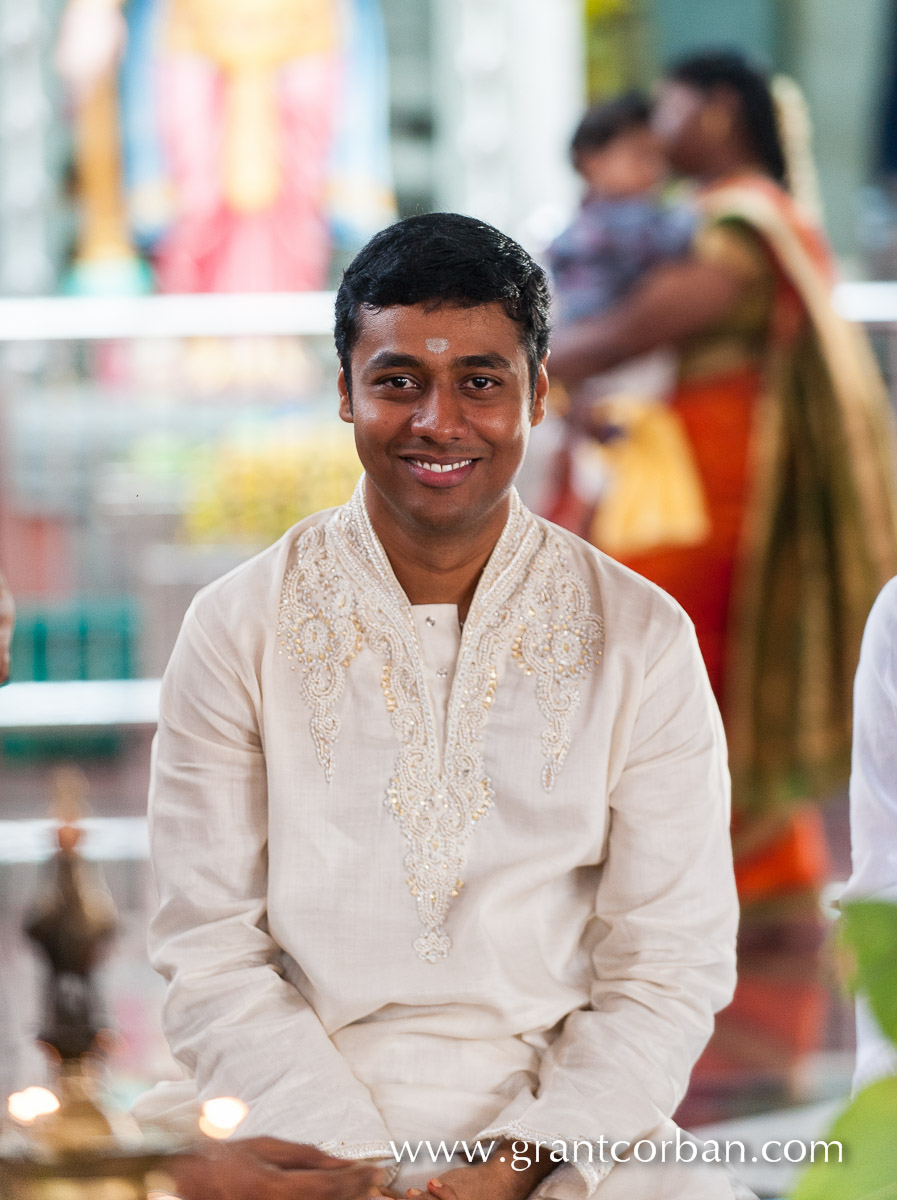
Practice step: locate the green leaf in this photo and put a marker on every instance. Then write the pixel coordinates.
(869, 1167)
(870, 929)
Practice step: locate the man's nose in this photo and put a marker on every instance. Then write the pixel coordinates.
(440, 414)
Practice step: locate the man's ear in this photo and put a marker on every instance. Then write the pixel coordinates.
(538, 411)
(345, 399)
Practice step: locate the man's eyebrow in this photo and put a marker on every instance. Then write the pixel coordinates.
(492, 362)
(391, 358)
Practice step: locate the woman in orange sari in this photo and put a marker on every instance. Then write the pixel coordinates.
(788, 428)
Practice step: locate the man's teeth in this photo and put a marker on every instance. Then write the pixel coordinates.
(441, 468)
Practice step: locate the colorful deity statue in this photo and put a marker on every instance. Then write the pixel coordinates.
(245, 147)
(92, 38)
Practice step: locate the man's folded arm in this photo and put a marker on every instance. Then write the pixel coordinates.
(238, 1027)
(666, 916)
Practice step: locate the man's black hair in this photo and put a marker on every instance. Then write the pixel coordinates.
(750, 82)
(444, 258)
(607, 120)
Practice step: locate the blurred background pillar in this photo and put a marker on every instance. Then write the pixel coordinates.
(510, 88)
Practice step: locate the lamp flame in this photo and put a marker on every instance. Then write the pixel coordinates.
(221, 1116)
(34, 1102)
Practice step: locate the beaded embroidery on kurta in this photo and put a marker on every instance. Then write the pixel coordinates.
(320, 633)
(558, 641)
(438, 794)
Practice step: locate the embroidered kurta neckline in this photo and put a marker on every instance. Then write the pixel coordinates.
(342, 594)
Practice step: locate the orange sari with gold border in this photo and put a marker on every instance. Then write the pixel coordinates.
(790, 430)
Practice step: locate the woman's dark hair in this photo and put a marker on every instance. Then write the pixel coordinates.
(444, 258)
(730, 69)
(607, 120)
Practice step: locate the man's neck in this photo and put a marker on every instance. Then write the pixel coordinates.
(435, 568)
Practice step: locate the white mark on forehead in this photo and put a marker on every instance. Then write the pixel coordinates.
(437, 345)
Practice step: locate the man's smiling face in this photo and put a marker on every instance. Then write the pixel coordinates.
(442, 405)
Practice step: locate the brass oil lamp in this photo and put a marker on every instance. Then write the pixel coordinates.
(63, 1142)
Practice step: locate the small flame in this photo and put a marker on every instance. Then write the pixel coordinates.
(34, 1102)
(220, 1117)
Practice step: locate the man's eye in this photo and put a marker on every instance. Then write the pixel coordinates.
(481, 382)
(398, 381)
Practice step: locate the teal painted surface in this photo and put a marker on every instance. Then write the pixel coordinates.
(90, 638)
(682, 26)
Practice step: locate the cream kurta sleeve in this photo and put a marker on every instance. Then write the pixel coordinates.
(666, 914)
(231, 1019)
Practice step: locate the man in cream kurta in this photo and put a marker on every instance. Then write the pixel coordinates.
(440, 865)
(873, 803)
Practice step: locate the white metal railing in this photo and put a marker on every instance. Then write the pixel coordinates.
(98, 318)
(90, 704)
(872, 304)
(106, 839)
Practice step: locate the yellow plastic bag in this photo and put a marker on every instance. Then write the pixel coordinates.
(653, 496)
